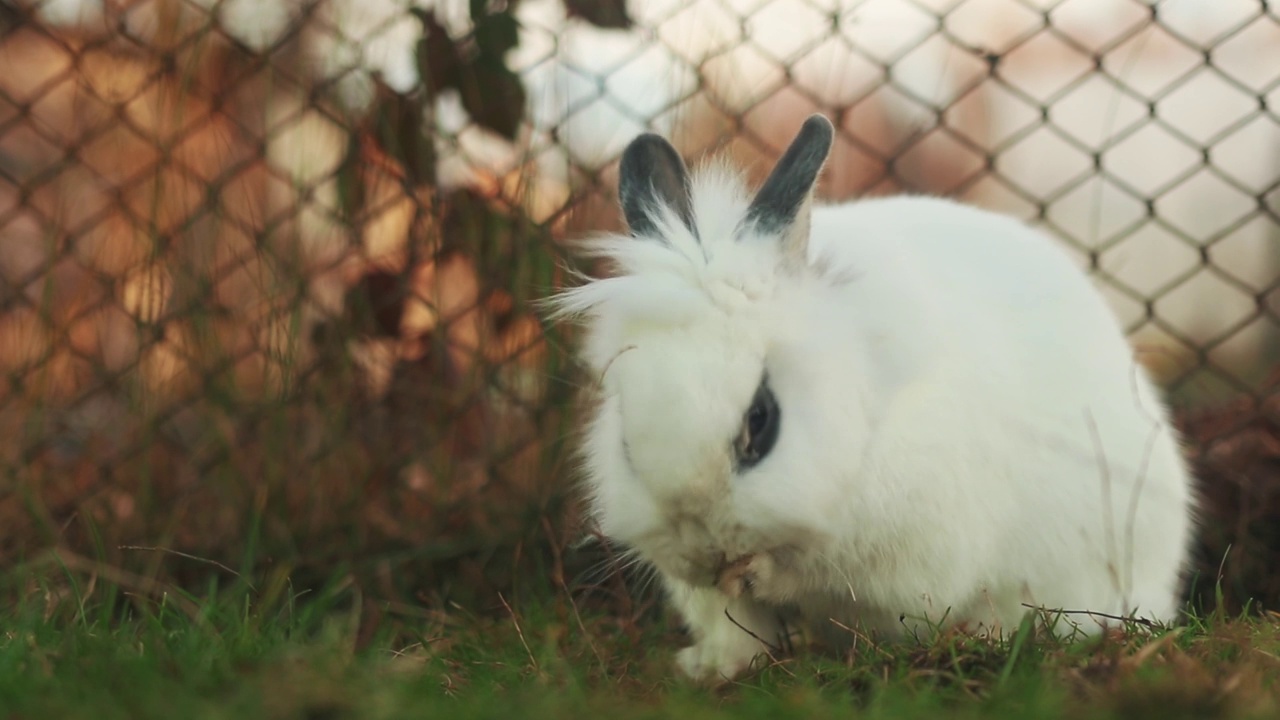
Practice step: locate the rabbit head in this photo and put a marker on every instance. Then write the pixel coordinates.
(697, 455)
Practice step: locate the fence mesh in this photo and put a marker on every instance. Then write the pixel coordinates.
(266, 268)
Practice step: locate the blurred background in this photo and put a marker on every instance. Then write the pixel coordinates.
(266, 266)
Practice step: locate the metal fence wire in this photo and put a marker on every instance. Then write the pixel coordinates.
(266, 267)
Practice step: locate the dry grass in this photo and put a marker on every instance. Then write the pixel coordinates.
(256, 648)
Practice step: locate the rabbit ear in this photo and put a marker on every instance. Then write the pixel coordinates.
(652, 175)
(782, 203)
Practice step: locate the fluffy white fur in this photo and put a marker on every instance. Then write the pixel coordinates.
(964, 428)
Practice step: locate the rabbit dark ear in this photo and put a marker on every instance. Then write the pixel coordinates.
(781, 205)
(651, 175)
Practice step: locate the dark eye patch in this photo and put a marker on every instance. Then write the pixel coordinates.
(760, 427)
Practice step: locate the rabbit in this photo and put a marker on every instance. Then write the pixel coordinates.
(895, 414)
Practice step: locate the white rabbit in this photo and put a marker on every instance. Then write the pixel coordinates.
(888, 412)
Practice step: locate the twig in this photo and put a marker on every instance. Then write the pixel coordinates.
(404, 651)
(144, 586)
(188, 556)
(573, 605)
(770, 648)
(1093, 613)
(1134, 495)
(520, 633)
(1222, 566)
(773, 648)
(1265, 654)
(1113, 552)
(1147, 651)
(859, 635)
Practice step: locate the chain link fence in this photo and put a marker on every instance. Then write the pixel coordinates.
(266, 267)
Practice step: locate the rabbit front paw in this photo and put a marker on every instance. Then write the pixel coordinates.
(728, 632)
(720, 660)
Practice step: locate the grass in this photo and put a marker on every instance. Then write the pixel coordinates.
(77, 647)
(266, 488)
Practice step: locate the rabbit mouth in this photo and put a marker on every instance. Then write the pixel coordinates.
(768, 575)
(737, 577)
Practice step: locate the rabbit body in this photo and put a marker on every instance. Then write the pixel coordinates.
(962, 430)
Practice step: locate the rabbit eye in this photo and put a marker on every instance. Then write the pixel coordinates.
(759, 429)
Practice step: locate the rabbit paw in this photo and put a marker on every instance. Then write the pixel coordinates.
(728, 632)
(719, 660)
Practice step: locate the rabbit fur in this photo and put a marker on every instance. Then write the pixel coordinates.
(959, 427)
